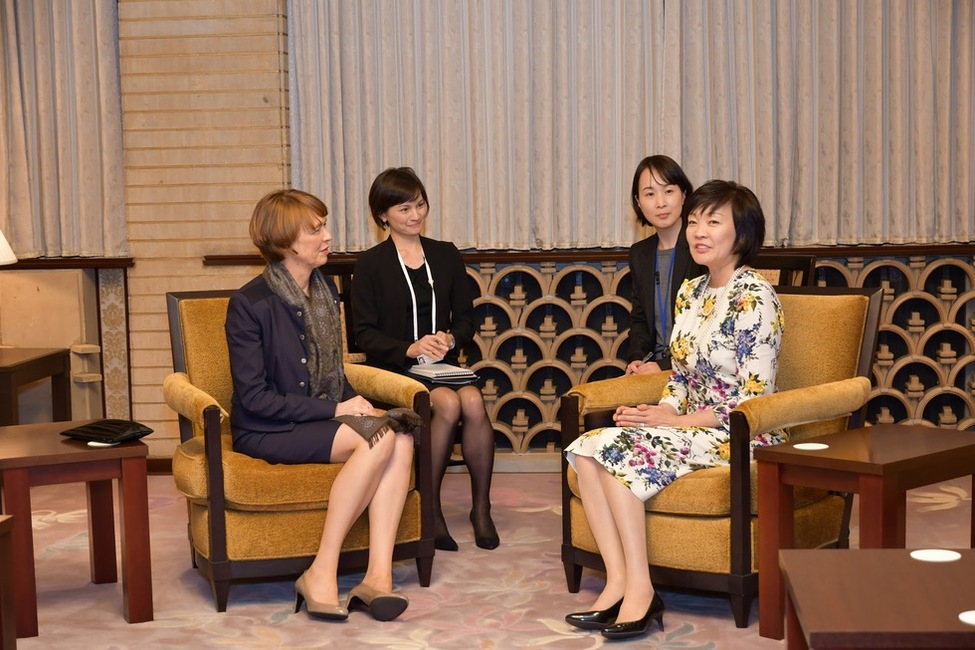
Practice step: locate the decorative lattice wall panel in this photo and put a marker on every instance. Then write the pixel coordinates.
(542, 328)
(546, 326)
(923, 373)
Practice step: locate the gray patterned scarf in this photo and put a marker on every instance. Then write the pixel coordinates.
(322, 325)
(325, 352)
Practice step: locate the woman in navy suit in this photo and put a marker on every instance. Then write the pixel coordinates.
(284, 338)
(410, 299)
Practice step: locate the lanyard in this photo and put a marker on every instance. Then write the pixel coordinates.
(433, 297)
(663, 298)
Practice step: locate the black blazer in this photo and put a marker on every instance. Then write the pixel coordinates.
(382, 309)
(643, 266)
(268, 351)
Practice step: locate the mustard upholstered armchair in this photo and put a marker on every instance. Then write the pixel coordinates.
(702, 529)
(252, 519)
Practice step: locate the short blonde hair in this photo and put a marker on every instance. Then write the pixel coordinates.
(278, 219)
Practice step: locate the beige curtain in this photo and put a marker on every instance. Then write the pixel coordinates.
(61, 129)
(852, 120)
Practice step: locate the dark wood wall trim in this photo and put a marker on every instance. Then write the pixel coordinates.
(342, 262)
(45, 263)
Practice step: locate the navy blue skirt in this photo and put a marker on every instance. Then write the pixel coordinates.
(308, 442)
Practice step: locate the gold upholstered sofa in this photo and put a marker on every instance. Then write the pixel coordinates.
(702, 530)
(249, 519)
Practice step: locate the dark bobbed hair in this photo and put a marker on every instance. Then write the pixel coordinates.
(665, 169)
(746, 211)
(278, 219)
(394, 186)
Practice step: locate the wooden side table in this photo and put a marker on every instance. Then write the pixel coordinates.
(879, 463)
(8, 631)
(877, 599)
(36, 454)
(21, 366)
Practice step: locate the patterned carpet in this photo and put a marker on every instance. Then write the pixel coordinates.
(513, 597)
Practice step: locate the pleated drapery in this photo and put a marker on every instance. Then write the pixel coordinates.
(62, 192)
(852, 120)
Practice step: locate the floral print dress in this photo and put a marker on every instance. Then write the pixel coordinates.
(724, 351)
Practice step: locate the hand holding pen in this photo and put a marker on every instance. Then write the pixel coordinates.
(643, 366)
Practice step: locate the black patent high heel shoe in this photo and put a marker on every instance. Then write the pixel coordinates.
(630, 629)
(595, 619)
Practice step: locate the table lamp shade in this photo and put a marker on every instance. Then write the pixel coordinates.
(6, 253)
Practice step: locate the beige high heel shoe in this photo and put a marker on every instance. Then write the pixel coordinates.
(325, 611)
(383, 606)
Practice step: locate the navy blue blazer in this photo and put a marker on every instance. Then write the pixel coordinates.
(269, 363)
(643, 266)
(382, 309)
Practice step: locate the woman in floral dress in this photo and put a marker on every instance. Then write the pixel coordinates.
(724, 349)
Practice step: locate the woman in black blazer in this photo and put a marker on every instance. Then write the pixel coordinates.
(290, 393)
(412, 302)
(659, 263)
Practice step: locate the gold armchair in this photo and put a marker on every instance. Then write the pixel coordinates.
(251, 519)
(702, 530)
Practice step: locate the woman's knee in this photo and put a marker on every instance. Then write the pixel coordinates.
(586, 467)
(385, 445)
(445, 404)
(471, 399)
(402, 450)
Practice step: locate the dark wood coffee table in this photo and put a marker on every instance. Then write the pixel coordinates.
(21, 366)
(879, 463)
(36, 454)
(877, 599)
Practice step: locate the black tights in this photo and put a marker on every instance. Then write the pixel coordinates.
(477, 446)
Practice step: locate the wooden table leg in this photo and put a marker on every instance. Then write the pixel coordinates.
(16, 502)
(8, 620)
(775, 531)
(134, 521)
(795, 639)
(61, 392)
(101, 532)
(883, 513)
(9, 409)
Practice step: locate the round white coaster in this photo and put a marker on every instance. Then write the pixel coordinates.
(811, 446)
(935, 555)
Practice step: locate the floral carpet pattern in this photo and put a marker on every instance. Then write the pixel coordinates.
(509, 598)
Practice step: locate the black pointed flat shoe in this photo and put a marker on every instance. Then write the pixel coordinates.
(595, 619)
(630, 629)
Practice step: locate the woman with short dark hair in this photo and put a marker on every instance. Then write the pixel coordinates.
(412, 302)
(724, 349)
(659, 263)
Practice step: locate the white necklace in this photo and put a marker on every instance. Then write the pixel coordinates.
(731, 280)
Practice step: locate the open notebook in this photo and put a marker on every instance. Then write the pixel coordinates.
(437, 371)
